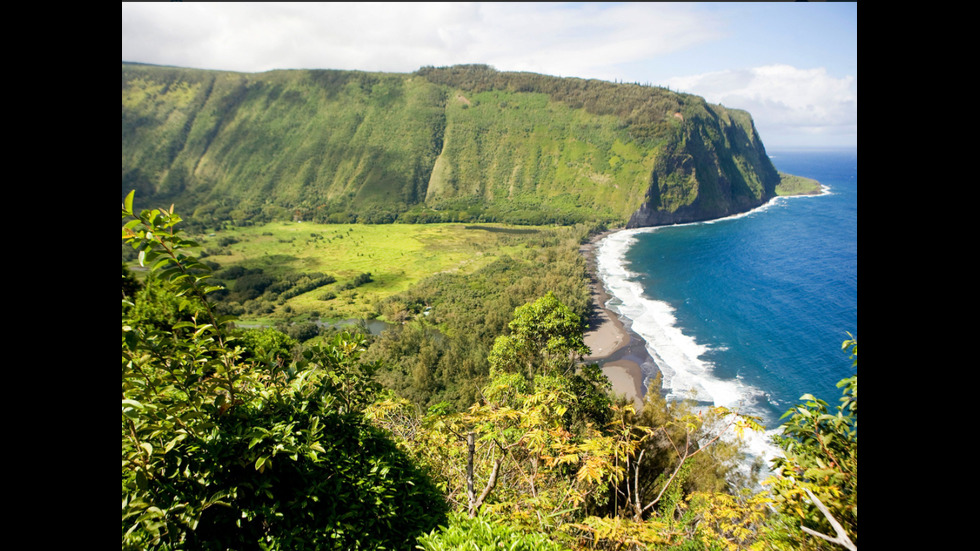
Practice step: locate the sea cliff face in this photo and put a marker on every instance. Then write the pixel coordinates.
(462, 143)
(717, 168)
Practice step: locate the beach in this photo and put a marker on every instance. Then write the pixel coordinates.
(618, 350)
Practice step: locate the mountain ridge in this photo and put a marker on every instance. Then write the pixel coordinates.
(460, 143)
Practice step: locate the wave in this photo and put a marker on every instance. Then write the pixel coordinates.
(679, 357)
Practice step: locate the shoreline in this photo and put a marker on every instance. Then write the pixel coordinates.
(615, 347)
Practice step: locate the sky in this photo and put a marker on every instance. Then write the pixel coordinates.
(791, 65)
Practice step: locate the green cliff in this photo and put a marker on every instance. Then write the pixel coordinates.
(462, 143)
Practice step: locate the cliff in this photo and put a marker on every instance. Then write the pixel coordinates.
(462, 143)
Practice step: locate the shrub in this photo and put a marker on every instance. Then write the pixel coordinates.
(222, 449)
(464, 533)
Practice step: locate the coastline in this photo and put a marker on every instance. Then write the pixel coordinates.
(619, 351)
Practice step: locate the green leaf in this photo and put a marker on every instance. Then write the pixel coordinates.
(260, 463)
(128, 203)
(131, 224)
(225, 319)
(141, 481)
(170, 445)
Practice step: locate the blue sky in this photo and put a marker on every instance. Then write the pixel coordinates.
(792, 65)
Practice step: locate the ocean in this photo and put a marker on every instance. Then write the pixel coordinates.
(749, 311)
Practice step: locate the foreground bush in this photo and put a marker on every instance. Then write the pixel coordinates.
(464, 533)
(223, 452)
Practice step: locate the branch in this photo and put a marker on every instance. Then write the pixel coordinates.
(683, 457)
(475, 506)
(636, 482)
(471, 451)
(666, 485)
(841, 538)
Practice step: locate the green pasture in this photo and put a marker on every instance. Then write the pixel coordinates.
(396, 255)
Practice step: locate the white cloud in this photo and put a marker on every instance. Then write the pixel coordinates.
(584, 40)
(783, 99)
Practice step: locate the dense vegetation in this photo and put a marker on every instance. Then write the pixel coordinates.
(456, 144)
(251, 439)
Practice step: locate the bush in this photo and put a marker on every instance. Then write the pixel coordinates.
(303, 331)
(464, 533)
(222, 449)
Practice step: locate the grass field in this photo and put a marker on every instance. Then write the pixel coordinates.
(396, 255)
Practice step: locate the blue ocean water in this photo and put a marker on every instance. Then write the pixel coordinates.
(748, 311)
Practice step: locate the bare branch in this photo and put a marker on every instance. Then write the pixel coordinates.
(683, 457)
(841, 538)
(475, 506)
(471, 451)
(636, 482)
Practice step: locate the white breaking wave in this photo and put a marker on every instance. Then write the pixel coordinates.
(685, 374)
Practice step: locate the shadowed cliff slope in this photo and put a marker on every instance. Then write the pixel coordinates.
(462, 143)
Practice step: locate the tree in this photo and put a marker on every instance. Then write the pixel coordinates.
(229, 448)
(545, 335)
(511, 452)
(816, 481)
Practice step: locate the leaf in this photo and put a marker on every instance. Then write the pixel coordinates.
(128, 203)
(170, 445)
(130, 225)
(260, 463)
(226, 318)
(141, 481)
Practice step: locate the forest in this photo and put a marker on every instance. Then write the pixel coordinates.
(471, 423)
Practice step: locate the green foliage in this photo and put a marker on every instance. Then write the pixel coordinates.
(463, 533)
(728, 522)
(268, 345)
(820, 448)
(130, 286)
(228, 447)
(544, 335)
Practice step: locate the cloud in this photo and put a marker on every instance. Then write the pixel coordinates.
(783, 99)
(585, 40)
